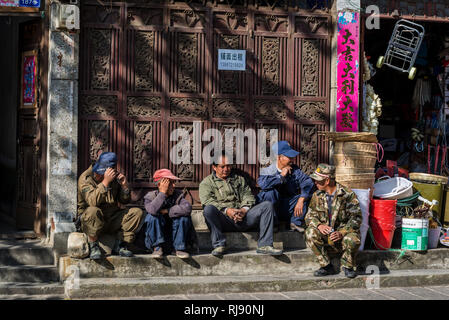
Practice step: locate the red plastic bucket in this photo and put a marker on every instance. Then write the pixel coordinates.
(383, 222)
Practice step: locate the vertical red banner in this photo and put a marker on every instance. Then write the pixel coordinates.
(29, 72)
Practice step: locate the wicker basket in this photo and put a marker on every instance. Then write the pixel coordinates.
(354, 161)
(347, 170)
(349, 136)
(356, 177)
(355, 148)
(427, 178)
(357, 184)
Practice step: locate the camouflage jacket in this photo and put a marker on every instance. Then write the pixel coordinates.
(234, 192)
(95, 194)
(346, 213)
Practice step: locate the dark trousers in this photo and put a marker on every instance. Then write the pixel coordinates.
(163, 229)
(284, 206)
(259, 217)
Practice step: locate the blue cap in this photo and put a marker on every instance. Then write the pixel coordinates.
(283, 147)
(106, 160)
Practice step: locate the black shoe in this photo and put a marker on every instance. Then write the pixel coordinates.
(95, 252)
(350, 273)
(121, 249)
(325, 271)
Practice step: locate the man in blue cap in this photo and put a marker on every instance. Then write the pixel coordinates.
(100, 190)
(286, 186)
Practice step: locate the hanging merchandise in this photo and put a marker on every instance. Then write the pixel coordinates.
(372, 109)
(422, 93)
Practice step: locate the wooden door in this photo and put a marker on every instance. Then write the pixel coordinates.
(28, 135)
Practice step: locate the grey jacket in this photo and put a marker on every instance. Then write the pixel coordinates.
(179, 206)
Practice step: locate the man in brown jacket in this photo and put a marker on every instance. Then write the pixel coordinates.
(100, 189)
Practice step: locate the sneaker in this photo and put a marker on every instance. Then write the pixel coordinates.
(95, 252)
(218, 251)
(294, 227)
(350, 273)
(182, 254)
(325, 271)
(269, 250)
(157, 253)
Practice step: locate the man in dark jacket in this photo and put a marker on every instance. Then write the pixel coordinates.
(167, 207)
(286, 186)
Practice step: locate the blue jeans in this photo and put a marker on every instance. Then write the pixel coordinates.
(259, 217)
(284, 206)
(163, 229)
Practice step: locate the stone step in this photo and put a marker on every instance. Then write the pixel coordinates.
(25, 252)
(45, 273)
(241, 263)
(47, 289)
(142, 287)
(248, 240)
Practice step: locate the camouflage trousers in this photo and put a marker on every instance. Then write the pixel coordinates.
(318, 243)
(124, 223)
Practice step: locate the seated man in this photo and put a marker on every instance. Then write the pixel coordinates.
(100, 189)
(333, 222)
(286, 186)
(229, 206)
(168, 220)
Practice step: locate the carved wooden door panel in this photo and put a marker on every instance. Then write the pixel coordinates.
(28, 148)
(148, 69)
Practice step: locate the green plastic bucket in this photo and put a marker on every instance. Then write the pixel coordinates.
(415, 234)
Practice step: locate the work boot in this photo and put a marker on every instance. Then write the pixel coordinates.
(157, 253)
(324, 271)
(294, 227)
(121, 249)
(95, 252)
(349, 273)
(219, 251)
(269, 250)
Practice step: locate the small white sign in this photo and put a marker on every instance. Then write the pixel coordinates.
(229, 59)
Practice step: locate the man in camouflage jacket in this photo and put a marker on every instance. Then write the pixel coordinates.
(333, 220)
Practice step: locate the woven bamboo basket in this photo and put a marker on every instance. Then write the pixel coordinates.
(349, 136)
(356, 177)
(355, 148)
(427, 178)
(347, 170)
(354, 161)
(357, 184)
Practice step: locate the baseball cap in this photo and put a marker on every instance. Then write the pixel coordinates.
(106, 160)
(283, 147)
(323, 171)
(164, 173)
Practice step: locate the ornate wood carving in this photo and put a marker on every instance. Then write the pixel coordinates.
(188, 107)
(229, 79)
(99, 105)
(231, 21)
(309, 157)
(310, 70)
(187, 18)
(187, 62)
(229, 108)
(271, 23)
(271, 65)
(186, 171)
(143, 145)
(143, 106)
(98, 139)
(144, 60)
(310, 110)
(270, 109)
(145, 17)
(100, 14)
(311, 24)
(268, 141)
(100, 59)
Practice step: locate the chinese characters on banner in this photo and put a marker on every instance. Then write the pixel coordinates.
(29, 72)
(348, 72)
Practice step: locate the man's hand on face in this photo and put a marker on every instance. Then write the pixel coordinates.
(164, 185)
(286, 171)
(109, 176)
(122, 180)
(324, 229)
(299, 208)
